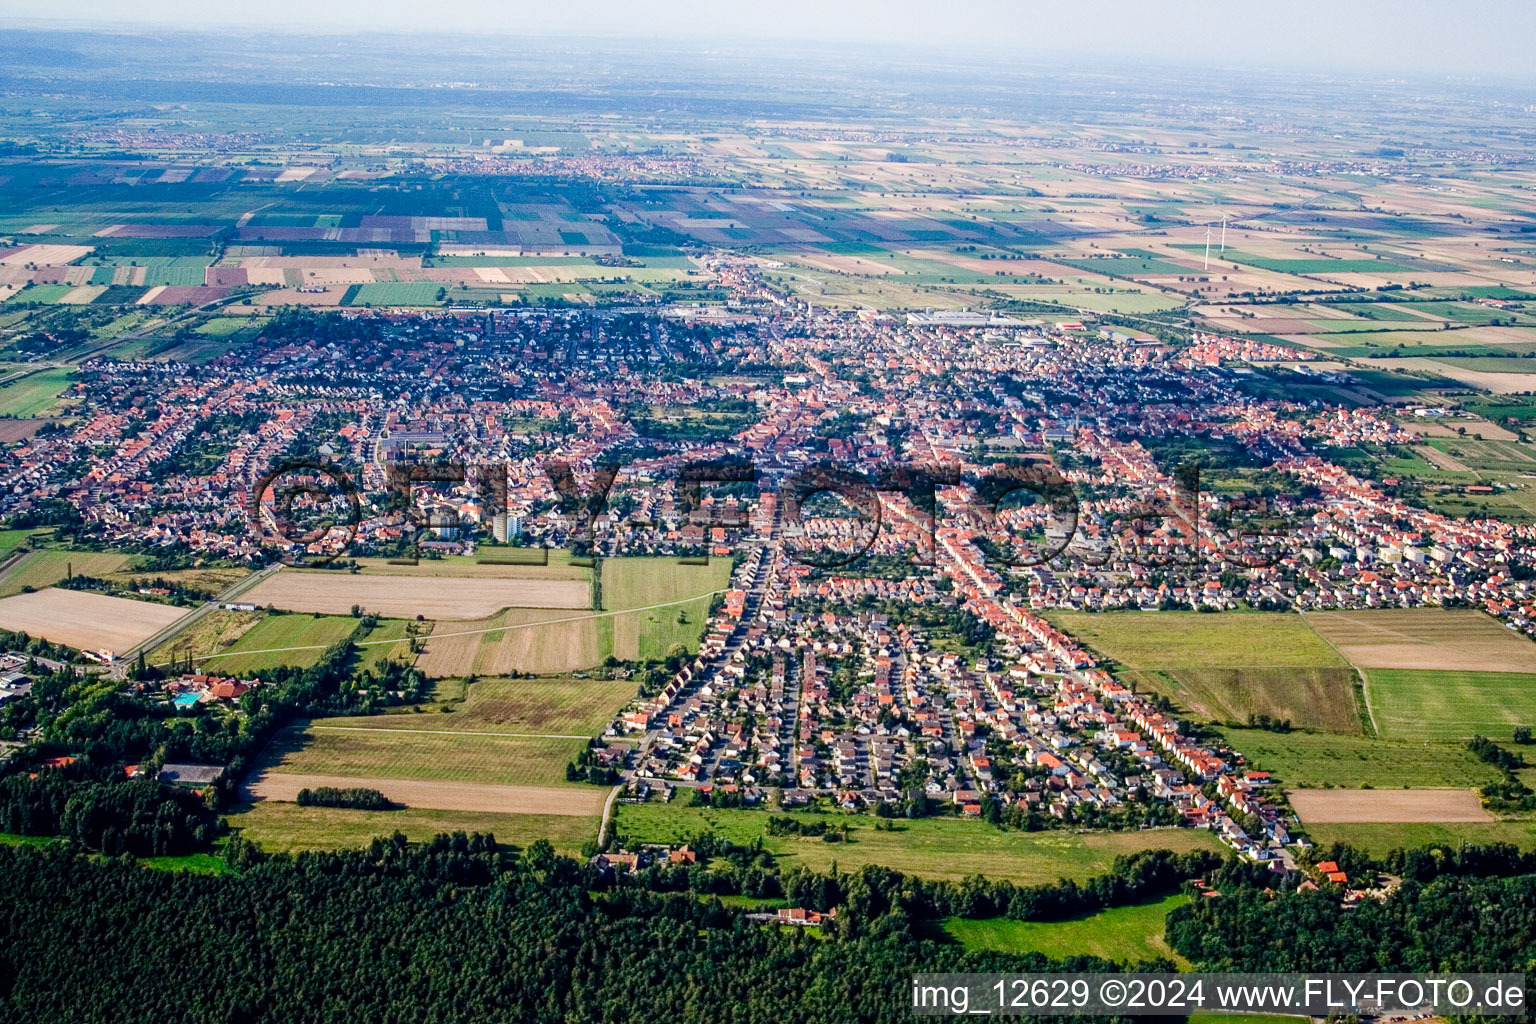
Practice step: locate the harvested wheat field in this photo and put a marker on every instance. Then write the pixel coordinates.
(86, 621)
(540, 641)
(1425, 638)
(431, 597)
(441, 796)
(1337, 806)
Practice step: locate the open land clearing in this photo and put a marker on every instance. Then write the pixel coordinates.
(944, 848)
(1448, 705)
(1379, 838)
(297, 640)
(441, 796)
(558, 705)
(539, 640)
(1425, 638)
(480, 758)
(542, 640)
(286, 827)
(1125, 934)
(85, 620)
(46, 567)
(1227, 667)
(496, 563)
(1388, 805)
(1319, 760)
(208, 635)
(432, 597)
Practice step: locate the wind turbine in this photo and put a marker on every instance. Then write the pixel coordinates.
(1223, 232)
(1207, 247)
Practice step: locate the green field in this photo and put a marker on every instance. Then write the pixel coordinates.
(1315, 760)
(372, 654)
(343, 747)
(266, 645)
(1411, 704)
(946, 848)
(641, 582)
(1126, 934)
(1227, 666)
(35, 393)
(420, 293)
(1380, 839)
(227, 326)
(1316, 265)
(10, 540)
(47, 567)
(554, 705)
(283, 827)
(530, 563)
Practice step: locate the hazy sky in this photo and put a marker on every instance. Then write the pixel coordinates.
(1460, 36)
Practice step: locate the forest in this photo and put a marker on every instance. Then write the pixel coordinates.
(462, 929)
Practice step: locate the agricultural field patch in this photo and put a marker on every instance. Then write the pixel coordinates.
(297, 640)
(48, 566)
(638, 583)
(1230, 666)
(436, 795)
(289, 828)
(1378, 839)
(429, 756)
(945, 848)
(544, 705)
(36, 393)
(1388, 806)
(432, 597)
(208, 635)
(1415, 704)
(1125, 934)
(1424, 639)
(1313, 760)
(85, 620)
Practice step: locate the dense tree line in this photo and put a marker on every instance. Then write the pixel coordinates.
(141, 816)
(453, 931)
(750, 871)
(105, 726)
(1453, 922)
(357, 798)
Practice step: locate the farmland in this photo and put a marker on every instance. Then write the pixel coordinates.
(1378, 839)
(432, 597)
(1389, 806)
(208, 635)
(85, 620)
(1425, 638)
(637, 583)
(944, 848)
(429, 755)
(1301, 759)
(546, 704)
(34, 394)
(570, 641)
(297, 640)
(532, 640)
(288, 828)
(1227, 667)
(1409, 704)
(1126, 934)
(48, 566)
(440, 795)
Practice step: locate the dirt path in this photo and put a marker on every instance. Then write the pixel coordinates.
(442, 796)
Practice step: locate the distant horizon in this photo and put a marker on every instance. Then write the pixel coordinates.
(1412, 39)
